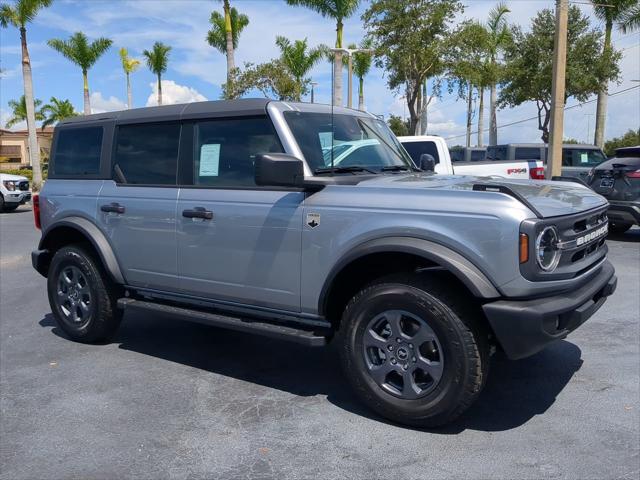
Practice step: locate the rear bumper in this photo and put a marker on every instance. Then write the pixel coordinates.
(624, 212)
(524, 327)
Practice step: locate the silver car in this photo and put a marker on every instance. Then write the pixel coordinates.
(229, 213)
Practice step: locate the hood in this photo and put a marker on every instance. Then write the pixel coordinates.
(549, 198)
(6, 176)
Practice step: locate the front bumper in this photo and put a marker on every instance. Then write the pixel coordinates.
(17, 197)
(524, 327)
(624, 212)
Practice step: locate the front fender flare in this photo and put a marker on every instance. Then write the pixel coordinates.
(97, 239)
(463, 269)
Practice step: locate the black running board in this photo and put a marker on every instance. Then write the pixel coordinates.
(304, 337)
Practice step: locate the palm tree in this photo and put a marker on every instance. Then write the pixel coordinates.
(361, 67)
(499, 38)
(298, 60)
(129, 65)
(157, 61)
(19, 111)
(613, 11)
(57, 110)
(218, 36)
(337, 10)
(84, 54)
(19, 15)
(630, 19)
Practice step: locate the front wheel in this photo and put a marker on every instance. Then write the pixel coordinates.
(411, 353)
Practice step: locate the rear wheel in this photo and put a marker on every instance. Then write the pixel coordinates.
(411, 353)
(619, 228)
(82, 297)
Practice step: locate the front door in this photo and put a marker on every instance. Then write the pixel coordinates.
(237, 242)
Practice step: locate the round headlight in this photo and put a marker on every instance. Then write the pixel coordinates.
(547, 253)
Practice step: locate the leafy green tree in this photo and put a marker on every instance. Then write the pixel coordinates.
(529, 64)
(272, 79)
(57, 110)
(225, 33)
(84, 54)
(158, 61)
(19, 16)
(499, 40)
(299, 60)
(129, 65)
(629, 139)
(337, 10)
(19, 111)
(398, 126)
(410, 38)
(361, 65)
(611, 11)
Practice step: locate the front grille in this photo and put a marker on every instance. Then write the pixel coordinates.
(24, 186)
(581, 241)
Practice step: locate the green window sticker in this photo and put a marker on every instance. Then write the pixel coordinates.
(209, 160)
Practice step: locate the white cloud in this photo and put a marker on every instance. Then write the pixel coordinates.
(173, 93)
(99, 104)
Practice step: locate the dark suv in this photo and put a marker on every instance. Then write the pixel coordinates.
(618, 180)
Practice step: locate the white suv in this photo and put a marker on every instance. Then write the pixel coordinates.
(14, 191)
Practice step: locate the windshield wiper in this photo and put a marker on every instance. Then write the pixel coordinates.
(395, 168)
(350, 169)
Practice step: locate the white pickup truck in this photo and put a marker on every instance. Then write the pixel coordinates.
(437, 148)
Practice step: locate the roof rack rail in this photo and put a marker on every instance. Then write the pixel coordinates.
(489, 187)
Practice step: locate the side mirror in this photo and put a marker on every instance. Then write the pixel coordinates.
(278, 170)
(427, 163)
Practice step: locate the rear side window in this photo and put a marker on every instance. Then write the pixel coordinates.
(585, 157)
(497, 153)
(415, 149)
(456, 154)
(477, 155)
(78, 151)
(528, 154)
(225, 150)
(147, 154)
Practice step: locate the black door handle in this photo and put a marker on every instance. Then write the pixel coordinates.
(198, 212)
(112, 207)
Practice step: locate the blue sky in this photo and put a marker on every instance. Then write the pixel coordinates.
(196, 70)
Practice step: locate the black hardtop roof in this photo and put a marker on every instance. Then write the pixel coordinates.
(239, 107)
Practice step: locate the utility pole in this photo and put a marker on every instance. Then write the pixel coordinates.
(554, 163)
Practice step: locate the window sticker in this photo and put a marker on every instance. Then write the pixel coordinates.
(584, 158)
(209, 160)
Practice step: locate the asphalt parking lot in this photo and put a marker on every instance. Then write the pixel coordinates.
(168, 399)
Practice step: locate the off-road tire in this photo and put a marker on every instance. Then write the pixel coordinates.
(103, 317)
(454, 321)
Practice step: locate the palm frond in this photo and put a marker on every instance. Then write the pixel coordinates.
(157, 58)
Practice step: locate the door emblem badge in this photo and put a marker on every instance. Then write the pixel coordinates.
(313, 220)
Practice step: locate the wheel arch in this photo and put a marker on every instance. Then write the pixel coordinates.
(77, 229)
(399, 252)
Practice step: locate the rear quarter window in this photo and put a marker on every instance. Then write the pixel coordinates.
(77, 151)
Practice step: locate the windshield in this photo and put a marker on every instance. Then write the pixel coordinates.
(349, 141)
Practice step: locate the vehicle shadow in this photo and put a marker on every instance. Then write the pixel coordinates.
(630, 236)
(515, 391)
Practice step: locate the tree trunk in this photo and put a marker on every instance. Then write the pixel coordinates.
(129, 96)
(493, 124)
(601, 108)
(159, 90)
(34, 150)
(87, 102)
(423, 111)
(419, 104)
(481, 116)
(229, 34)
(361, 94)
(469, 100)
(337, 67)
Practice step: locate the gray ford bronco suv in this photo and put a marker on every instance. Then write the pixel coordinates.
(234, 214)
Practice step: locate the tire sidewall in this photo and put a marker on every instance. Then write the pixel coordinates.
(446, 395)
(66, 257)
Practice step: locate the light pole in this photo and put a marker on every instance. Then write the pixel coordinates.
(349, 52)
(313, 84)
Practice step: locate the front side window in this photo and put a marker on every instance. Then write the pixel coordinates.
(348, 141)
(225, 150)
(147, 154)
(78, 151)
(416, 149)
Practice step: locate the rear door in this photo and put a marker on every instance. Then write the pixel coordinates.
(237, 242)
(137, 207)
